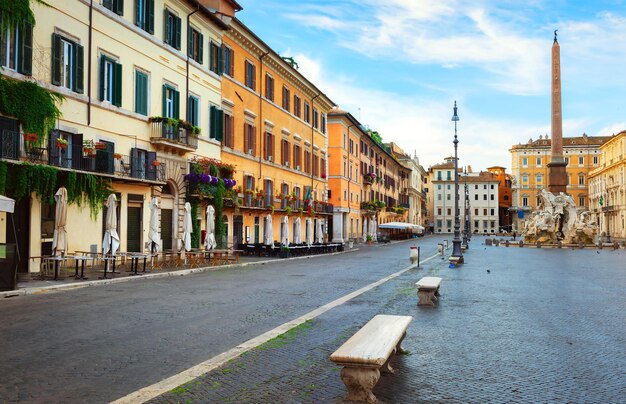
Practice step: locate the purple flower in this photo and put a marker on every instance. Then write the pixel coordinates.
(214, 180)
(205, 178)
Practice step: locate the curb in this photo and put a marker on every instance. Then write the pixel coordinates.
(182, 272)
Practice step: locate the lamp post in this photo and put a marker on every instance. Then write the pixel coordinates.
(465, 245)
(457, 255)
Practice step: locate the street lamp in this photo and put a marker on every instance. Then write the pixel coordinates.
(457, 255)
(465, 245)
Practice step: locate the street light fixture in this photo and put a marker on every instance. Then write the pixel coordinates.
(457, 255)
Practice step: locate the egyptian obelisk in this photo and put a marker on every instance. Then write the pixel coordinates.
(557, 175)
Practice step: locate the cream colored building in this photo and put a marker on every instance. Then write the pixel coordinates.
(122, 67)
(608, 181)
(529, 164)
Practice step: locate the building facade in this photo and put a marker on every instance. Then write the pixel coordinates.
(417, 196)
(138, 80)
(529, 169)
(504, 196)
(276, 137)
(607, 188)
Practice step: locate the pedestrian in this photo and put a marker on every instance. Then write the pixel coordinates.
(514, 235)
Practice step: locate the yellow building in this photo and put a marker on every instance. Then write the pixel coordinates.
(529, 163)
(608, 181)
(275, 135)
(138, 80)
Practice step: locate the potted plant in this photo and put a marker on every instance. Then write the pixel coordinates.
(270, 208)
(369, 239)
(61, 143)
(156, 163)
(284, 252)
(100, 145)
(117, 156)
(30, 137)
(288, 210)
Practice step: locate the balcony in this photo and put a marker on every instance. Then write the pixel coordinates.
(141, 165)
(175, 138)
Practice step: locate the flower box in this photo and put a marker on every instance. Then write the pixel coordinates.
(100, 145)
(61, 143)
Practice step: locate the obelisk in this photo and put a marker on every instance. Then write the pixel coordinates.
(557, 175)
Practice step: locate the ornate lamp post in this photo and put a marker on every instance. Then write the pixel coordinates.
(457, 255)
(465, 245)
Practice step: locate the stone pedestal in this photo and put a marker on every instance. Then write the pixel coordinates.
(557, 177)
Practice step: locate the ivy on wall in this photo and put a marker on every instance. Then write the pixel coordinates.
(195, 225)
(218, 204)
(16, 12)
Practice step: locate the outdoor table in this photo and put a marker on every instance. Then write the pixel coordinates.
(56, 259)
(82, 260)
(106, 266)
(134, 262)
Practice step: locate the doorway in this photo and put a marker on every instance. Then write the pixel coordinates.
(134, 223)
(237, 230)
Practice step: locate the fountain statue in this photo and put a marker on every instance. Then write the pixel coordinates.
(558, 219)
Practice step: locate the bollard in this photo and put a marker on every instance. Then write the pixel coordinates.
(506, 243)
(538, 244)
(521, 243)
(559, 244)
(440, 248)
(413, 254)
(419, 254)
(615, 245)
(488, 241)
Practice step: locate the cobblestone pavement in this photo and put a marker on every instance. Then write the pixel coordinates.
(97, 344)
(543, 325)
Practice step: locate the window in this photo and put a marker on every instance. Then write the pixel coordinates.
(492, 196)
(484, 212)
(117, 6)
(581, 179)
(538, 161)
(439, 223)
(297, 107)
(448, 175)
(476, 197)
(525, 161)
(195, 45)
(249, 186)
(110, 81)
(475, 186)
(172, 29)
(524, 201)
(286, 96)
(323, 172)
(581, 160)
(250, 75)
(449, 211)
(268, 147)
(16, 48)
(438, 186)
(193, 104)
(448, 196)
(323, 129)
(492, 186)
(229, 140)
(484, 186)
(595, 160)
(269, 87)
(269, 192)
(525, 181)
(67, 63)
(284, 152)
(215, 58)
(170, 102)
(316, 166)
(476, 224)
(249, 139)
(144, 15)
(307, 115)
(297, 157)
(216, 123)
(141, 92)
(449, 223)
(484, 197)
(351, 146)
(539, 179)
(438, 197)
(439, 211)
(307, 162)
(581, 200)
(476, 212)
(315, 118)
(229, 60)
(492, 212)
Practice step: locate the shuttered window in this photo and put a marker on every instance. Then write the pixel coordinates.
(171, 101)
(249, 138)
(144, 15)
(215, 53)
(141, 93)
(110, 83)
(250, 75)
(117, 6)
(269, 87)
(229, 140)
(229, 60)
(67, 63)
(193, 106)
(195, 45)
(172, 29)
(286, 97)
(16, 48)
(216, 123)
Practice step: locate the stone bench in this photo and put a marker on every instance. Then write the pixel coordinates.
(368, 353)
(428, 290)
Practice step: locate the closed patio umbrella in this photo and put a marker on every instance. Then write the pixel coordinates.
(155, 226)
(309, 231)
(209, 241)
(111, 241)
(297, 231)
(187, 227)
(284, 231)
(59, 240)
(319, 235)
(268, 238)
(372, 229)
(364, 232)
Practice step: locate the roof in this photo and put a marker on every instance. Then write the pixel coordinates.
(577, 141)
(483, 176)
(443, 165)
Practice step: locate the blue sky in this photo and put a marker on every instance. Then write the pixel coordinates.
(398, 66)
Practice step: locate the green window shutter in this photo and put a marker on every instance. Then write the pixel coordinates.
(212, 114)
(149, 16)
(211, 56)
(220, 60)
(101, 79)
(78, 68)
(138, 14)
(56, 59)
(164, 100)
(189, 42)
(168, 27)
(119, 7)
(201, 49)
(220, 125)
(108, 4)
(117, 84)
(25, 61)
(177, 32)
(176, 104)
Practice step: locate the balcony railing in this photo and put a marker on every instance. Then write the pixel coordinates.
(173, 137)
(78, 157)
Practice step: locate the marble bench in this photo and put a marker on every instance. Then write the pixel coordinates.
(368, 353)
(428, 290)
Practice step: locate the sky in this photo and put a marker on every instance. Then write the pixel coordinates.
(399, 65)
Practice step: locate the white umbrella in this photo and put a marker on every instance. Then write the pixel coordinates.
(309, 231)
(59, 240)
(372, 230)
(297, 231)
(209, 241)
(284, 231)
(187, 227)
(155, 226)
(320, 237)
(364, 232)
(269, 236)
(111, 241)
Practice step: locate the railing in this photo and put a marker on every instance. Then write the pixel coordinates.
(173, 134)
(78, 157)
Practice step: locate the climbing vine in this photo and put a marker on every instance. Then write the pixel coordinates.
(34, 106)
(218, 204)
(195, 235)
(16, 12)
(3, 177)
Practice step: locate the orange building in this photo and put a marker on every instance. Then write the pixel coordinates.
(275, 134)
(504, 196)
